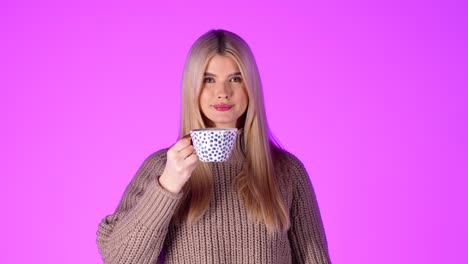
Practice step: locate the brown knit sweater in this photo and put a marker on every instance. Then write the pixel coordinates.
(141, 231)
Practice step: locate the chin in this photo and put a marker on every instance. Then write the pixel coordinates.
(225, 124)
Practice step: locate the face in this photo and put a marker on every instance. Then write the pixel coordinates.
(223, 97)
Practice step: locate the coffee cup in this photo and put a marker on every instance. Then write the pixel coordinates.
(213, 144)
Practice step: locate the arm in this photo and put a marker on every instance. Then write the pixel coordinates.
(135, 233)
(307, 235)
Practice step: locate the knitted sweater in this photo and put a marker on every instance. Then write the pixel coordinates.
(141, 230)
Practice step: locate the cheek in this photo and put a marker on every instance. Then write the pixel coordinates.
(245, 99)
(203, 102)
(203, 98)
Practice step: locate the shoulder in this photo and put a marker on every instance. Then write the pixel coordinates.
(158, 156)
(290, 169)
(292, 176)
(285, 160)
(155, 161)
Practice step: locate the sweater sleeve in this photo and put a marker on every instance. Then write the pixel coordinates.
(136, 231)
(307, 234)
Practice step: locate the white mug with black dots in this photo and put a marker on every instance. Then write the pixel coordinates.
(213, 144)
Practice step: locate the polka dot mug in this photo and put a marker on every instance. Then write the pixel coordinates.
(213, 144)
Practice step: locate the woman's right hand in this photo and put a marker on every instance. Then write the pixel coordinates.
(181, 162)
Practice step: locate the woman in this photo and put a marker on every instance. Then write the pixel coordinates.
(257, 207)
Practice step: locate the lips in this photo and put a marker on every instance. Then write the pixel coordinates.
(222, 107)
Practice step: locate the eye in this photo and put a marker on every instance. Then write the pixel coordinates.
(208, 80)
(236, 79)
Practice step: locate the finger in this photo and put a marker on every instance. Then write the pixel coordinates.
(184, 153)
(192, 158)
(189, 137)
(181, 144)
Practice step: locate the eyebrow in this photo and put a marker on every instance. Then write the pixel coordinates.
(214, 75)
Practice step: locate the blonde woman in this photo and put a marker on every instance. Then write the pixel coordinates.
(257, 207)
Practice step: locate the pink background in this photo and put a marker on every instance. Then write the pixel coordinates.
(372, 97)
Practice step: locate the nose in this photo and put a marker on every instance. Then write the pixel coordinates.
(223, 91)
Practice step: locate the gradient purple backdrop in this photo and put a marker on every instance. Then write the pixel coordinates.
(370, 96)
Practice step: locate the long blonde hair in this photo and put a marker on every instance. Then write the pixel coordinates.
(257, 182)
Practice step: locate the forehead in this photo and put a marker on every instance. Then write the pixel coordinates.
(222, 64)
